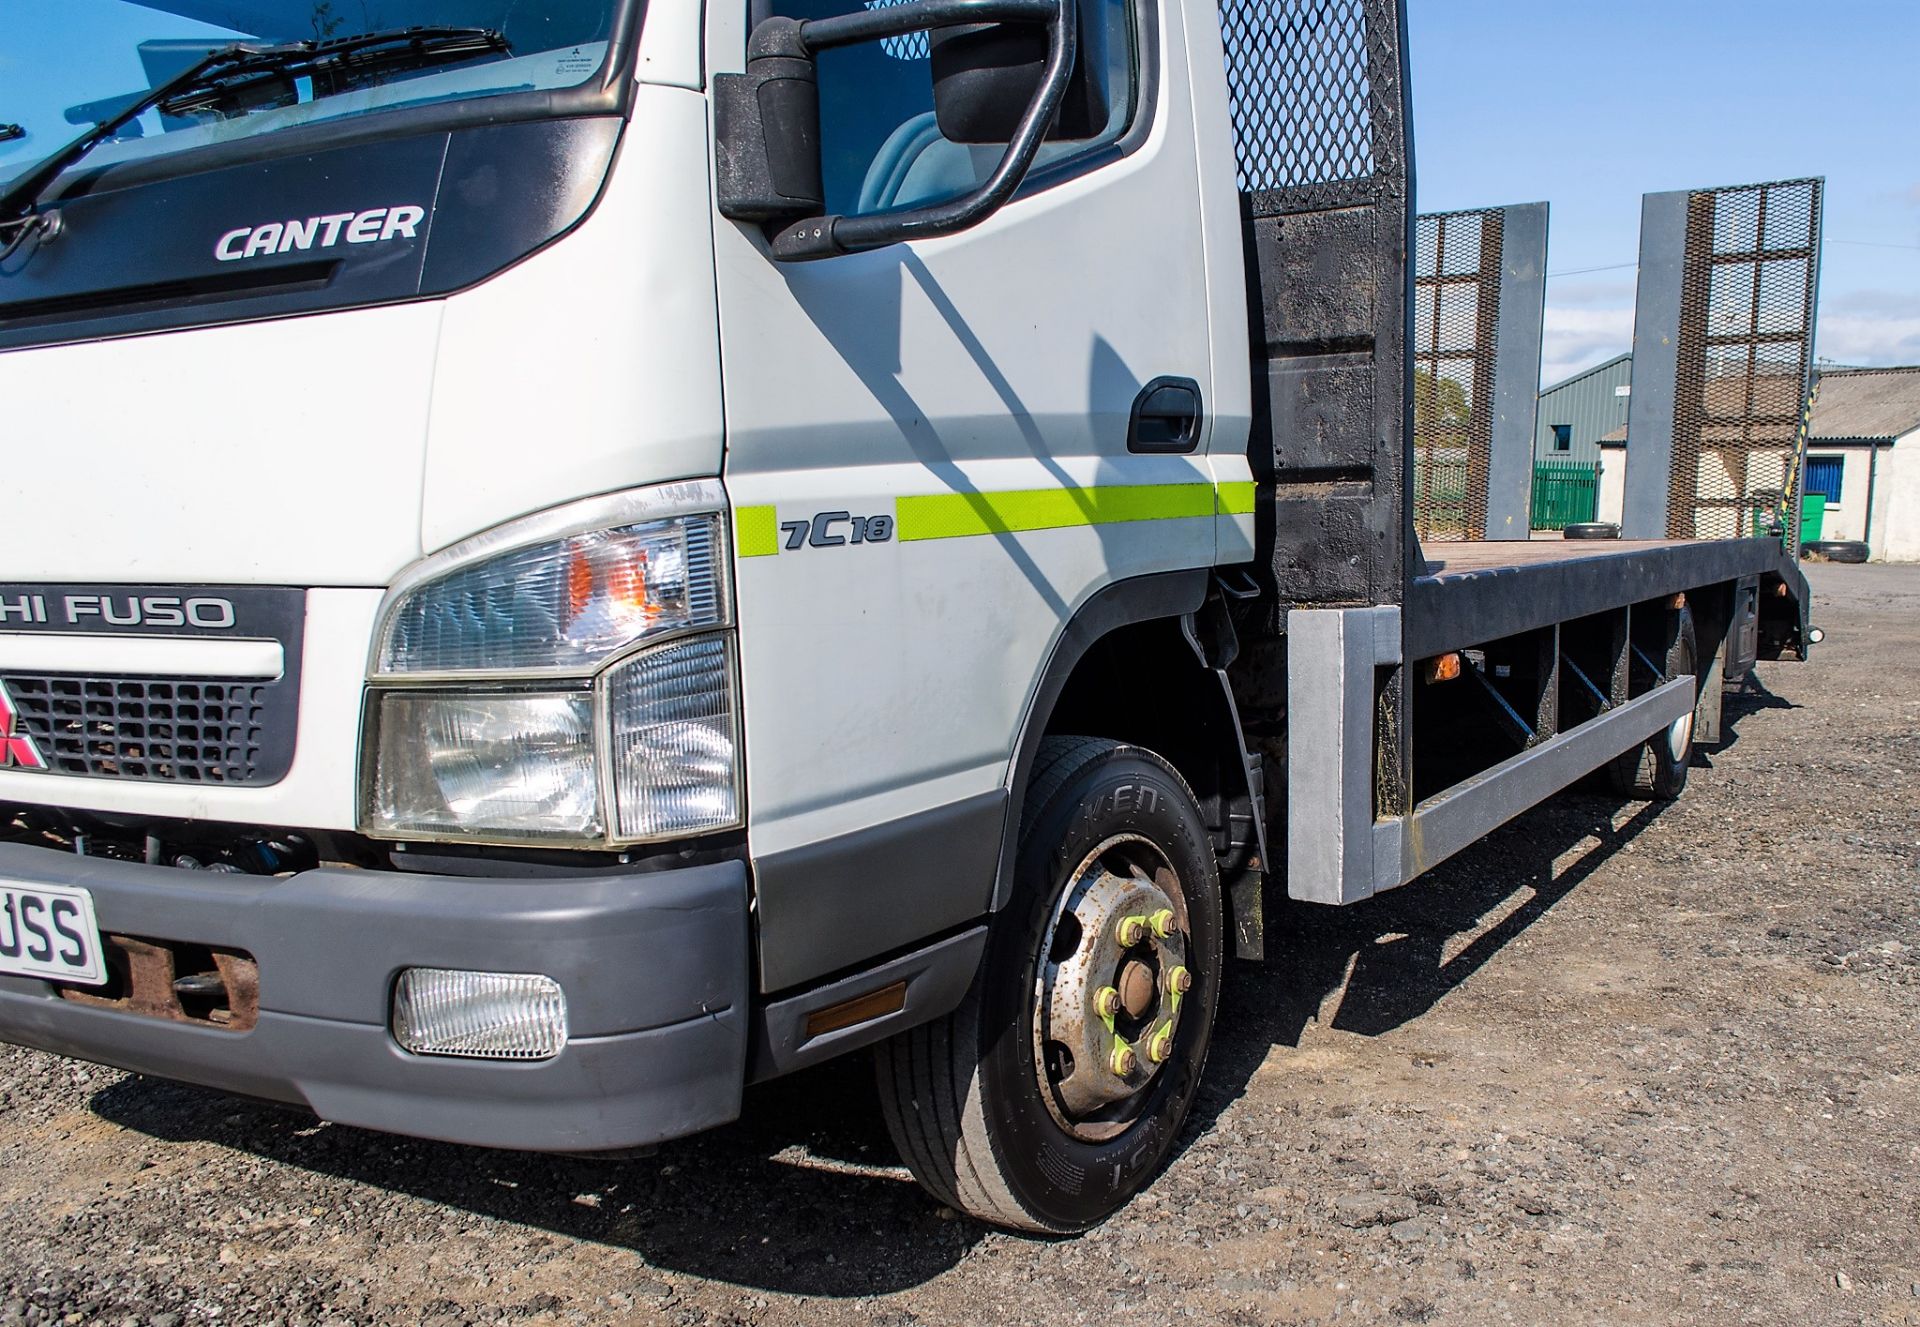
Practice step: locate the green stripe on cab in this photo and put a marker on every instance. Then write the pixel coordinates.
(1236, 498)
(756, 531)
(952, 515)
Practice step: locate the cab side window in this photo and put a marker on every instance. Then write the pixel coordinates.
(880, 146)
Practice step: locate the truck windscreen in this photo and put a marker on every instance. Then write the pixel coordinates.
(65, 66)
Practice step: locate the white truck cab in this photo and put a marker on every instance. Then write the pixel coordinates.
(569, 555)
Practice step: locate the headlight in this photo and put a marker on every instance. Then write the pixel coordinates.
(515, 698)
(519, 604)
(513, 764)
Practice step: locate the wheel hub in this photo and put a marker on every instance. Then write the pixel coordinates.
(1107, 1002)
(1136, 987)
(1680, 736)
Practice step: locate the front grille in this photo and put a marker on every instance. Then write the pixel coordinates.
(168, 730)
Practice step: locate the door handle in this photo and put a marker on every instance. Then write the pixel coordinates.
(1166, 417)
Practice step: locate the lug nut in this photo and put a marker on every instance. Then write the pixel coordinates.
(1106, 1001)
(1124, 1060)
(1179, 981)
(1160, 1045)
(1131, 931)
(1162, 922)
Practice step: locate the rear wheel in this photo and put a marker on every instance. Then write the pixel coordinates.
(1656, 770)
(1055, 1090)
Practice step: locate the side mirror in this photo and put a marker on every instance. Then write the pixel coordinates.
(767, 120)
(767, 129)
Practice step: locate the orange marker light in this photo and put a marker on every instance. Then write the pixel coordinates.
(627, 584)
(579, 584)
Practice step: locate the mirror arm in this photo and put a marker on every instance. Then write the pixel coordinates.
(828, 236)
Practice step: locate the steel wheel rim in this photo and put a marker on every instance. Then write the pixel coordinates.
(1680, 731)
(1111, 987)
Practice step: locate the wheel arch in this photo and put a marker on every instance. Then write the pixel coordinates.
(1169, 700)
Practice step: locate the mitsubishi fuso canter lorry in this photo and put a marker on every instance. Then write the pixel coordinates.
(564, 557)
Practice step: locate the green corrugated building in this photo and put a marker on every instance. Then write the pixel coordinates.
(1576, 413)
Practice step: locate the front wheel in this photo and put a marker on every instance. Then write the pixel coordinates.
(1057, 1087)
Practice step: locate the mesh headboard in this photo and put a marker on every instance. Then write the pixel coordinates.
(1321, 140)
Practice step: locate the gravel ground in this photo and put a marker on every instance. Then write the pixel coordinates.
(1614, 1065)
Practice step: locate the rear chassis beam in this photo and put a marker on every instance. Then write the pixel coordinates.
(1345, 841)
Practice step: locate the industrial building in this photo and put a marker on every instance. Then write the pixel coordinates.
(1576, 413)
(1863, 453)
(1863, 456)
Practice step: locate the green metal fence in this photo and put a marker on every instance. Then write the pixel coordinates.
(1564, 492)
(1440, 494)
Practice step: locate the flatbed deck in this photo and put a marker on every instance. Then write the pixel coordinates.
(1472, 592)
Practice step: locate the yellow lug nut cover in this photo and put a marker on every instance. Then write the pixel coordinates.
(1131, 930)
(1162, 922)
(1179, 981)
(1161, 1044)
(1124, 1060)
(1107, 1001)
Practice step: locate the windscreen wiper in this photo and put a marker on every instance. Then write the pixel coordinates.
(218, 77)
(335, 65)
(17, 215)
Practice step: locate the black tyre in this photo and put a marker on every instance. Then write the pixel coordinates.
(1835, 550)
(1656, 770)
(1590, 530)
(1055, 1090)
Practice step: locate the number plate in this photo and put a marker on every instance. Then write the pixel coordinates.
(48, 931)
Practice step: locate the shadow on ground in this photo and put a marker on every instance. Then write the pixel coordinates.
(802, 1196)
(1747, 696)
(1375, 966)
(798, 1196)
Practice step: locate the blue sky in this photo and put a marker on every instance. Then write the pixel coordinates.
(1590, 105)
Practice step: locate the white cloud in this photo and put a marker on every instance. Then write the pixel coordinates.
(1870, 337)
(1869, 327)
(1580, 337)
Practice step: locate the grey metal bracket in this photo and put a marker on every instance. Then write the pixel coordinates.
(1333, 655)
(1601, 699)
(1656, 364)
(1516, 370)
(1707, 717)
(1522, 732)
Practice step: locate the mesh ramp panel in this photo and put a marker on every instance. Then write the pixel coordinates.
(1745, 353)
(1319, 117)
(1456, 324)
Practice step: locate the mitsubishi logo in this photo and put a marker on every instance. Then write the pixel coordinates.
(16, 748)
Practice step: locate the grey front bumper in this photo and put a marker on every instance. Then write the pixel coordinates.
(654, 967)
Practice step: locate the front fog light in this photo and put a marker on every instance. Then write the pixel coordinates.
(482, 1015)
(507, 764)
